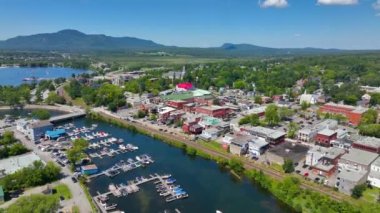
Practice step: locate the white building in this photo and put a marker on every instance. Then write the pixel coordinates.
(308, 98)
(374, 174)
(257, 146)
(307, 134)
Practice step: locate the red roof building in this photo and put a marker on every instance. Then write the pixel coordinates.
(353, 114)
(185, 86)
(213, 111)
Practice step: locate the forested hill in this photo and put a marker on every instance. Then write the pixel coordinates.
(75, 41)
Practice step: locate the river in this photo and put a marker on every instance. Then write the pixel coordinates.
(209, 187)
(15, 75)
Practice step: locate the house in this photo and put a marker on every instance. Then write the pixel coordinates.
(257, 146)
(1, 195)
(89, 169)
(370, 144)
(37, 129)
(353, 114)
(374, 173)
(325, 136)
(357, 160)
(271, 136)
(308, 134)
(323, 161)
(308, 98)
(292, 151)
(347, 180)
(239, 145)
(210, 134)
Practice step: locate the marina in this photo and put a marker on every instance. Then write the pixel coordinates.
(164, 185)
(130, 164)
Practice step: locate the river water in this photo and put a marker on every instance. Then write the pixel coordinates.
(209, 187)
(15, 75)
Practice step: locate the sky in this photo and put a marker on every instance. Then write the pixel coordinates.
(344, 24)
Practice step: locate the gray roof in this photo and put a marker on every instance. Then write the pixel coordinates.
(327, 132)
(241, 140)
(369, 141)
(267, 132)
(353, 176)
(376, 162)
(360, 156)
(40, 124)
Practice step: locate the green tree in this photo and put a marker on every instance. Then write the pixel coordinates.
(76, 152)
(271, 115)
(358, 190)
(304, 105)
(54, 98)
(258, 100)
(35, 203)
(288, 166)
(369, 117)
(41, 114)
(292, 129)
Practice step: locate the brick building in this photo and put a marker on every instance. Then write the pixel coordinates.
(353, 114)
(325, 136)
(370, 144)
(213, 111)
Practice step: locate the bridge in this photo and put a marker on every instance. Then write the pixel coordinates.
(69, 116)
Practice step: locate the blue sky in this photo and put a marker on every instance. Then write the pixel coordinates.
(347, 24)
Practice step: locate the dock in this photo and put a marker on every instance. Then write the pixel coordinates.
(142, 160)
(163, 183)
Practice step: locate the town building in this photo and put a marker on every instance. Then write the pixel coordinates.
(347, 180)
(292, 151)
(37, 129)
(257, 146)
(353, 114)
(325, 136)
(211, 133)
(89, 169)
(12, 164)
(323, 161)
(55, 134)
(308, 98)
(213, 111)
(239, 145)
(273, 137)
(370, 144)
(308, 134)
(374, 173)
(357, 160)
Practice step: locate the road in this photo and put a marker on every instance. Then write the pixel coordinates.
(248, 164)
(79, 197)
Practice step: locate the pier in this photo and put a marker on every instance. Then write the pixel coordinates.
(164, 185)
(142, 160)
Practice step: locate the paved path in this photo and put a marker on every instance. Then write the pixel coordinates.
(79, 197)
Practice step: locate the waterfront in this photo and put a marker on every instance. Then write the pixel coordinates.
(15, 75)
(209, 188)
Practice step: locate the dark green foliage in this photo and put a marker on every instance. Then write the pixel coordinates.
(369, 117)
(53, 98)
(271, 115)
(372, 130)
(236, 165)
(36, 203)
(10, 146)
(288, 166)
(41, 114)
(358, 190)
(35, 175)
(14, 96)
(76, 152)
(253, 119)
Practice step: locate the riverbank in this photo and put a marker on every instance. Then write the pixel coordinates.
(304, 193)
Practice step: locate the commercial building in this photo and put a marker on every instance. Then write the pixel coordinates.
(55, 134)
(325, 136)
(357, 160)
(271, 136)
(287, 150)
(308, 134)
(89, 169)
(210, 134)
(213, 111)
(323, 161)
(374, 174)
(239, 145)
(38, 129)
(353, 114)
(12, 164)
(370, 144)
(347, 180)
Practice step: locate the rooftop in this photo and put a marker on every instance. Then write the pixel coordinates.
(327, 132)
(91, 166)
(369, 141)
(12, 164)
(267, 132)
(40, 124)
(360, 156)
(353, 176)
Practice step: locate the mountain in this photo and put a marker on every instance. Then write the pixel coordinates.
(75, 41)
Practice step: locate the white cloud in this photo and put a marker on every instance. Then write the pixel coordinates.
(376, 5)
(274, 3)
(337, 2)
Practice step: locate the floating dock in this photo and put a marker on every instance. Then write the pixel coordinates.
(142, 160)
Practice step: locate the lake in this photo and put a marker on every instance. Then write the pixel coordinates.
(209, 187)
(15, 75)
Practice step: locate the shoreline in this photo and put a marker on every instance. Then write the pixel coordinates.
(256, 173)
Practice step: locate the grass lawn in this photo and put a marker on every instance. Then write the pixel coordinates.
(79, 102)
(212, 145)
(75, 209)
(370, 195)
(63, 190)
